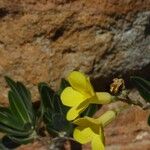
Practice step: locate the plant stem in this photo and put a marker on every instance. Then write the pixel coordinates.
(129, 101)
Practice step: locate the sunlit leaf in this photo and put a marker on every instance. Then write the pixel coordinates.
(16, 100)
(26, 97)
(18, 121)
(17, 108)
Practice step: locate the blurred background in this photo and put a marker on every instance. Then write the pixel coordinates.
(43, 40)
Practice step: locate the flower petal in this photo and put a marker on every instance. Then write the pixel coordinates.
(72, 113)
(70, 97)
(80, 83)
(76, 110)
(107, 117)
(103, 98)
(90, 87)
(86, 121)
(97, 143)
(92, 123)
(83, 135)
(101, 134)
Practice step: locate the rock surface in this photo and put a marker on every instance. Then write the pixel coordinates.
(46, 39)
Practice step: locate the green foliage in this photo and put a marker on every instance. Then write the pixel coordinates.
(90, 111)
(53, 111)
(18, 120)
(63, 85)
(143, 87)
(2, 147)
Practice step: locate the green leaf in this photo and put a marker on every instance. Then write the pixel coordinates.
(63, 85)
(18, 120)
(40, 85)
(21, 140)
(26, 97)
(148, 121)
(17, 108)
(7, 119)
(91, 110)
(2, 147)
(47, 117)
(46, 95)
(16, 101)
(52, 131)
(143, 87)
(60, 124)
(50, 99)
(59, 107)
(9, 131)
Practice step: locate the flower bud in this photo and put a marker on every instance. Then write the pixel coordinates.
(107, 117)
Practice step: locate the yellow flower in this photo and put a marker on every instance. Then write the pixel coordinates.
(91, 130)
(81, 94)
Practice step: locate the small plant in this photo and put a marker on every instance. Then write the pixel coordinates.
(66, 114)
(18, 121)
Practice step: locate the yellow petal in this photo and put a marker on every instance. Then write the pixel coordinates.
(97, 143)
(86, 121)
(90, 87)
(70, 97)
(83, 135)
(72, 113)
(103, 98)
(101, 134)
(92, 123)
(80, 83)
(76, 110)
(107, 117)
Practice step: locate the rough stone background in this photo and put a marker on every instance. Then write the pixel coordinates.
(43, 40)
